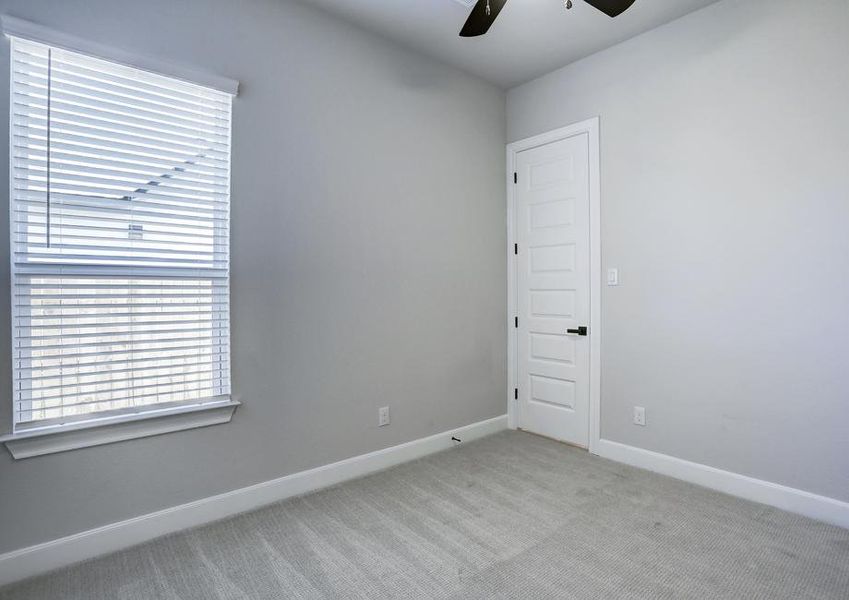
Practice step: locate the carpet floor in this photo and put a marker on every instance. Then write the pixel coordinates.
(508, 516)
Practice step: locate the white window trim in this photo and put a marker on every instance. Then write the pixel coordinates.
(97, 432)
(49, 440)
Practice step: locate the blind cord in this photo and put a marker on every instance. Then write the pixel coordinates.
(49, 87)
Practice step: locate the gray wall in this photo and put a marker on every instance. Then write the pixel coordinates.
(367, 254)
(725, 199)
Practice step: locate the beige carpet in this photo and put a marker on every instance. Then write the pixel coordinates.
(509, 516)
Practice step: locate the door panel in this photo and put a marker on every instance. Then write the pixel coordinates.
(552, 201)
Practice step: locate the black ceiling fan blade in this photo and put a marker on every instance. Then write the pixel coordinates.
(479, 21)
(612, 8)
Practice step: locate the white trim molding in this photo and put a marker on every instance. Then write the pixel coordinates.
(821, 508)
(49, 440)
(591, 128)
(34, 32)
(39, 559)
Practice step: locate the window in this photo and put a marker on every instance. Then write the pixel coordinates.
(119, 239)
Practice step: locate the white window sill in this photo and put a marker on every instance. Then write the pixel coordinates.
(37, 442)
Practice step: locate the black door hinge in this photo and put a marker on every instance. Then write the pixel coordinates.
(516, 249)
(515, 177)
(516, 393)
(517, 322)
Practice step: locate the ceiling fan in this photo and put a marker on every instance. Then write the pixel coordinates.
(486, 11)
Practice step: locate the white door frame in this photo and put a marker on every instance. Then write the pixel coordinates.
(591, 128)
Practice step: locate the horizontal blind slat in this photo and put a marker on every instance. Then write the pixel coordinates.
(89, 382)
(28, 145)
(66, 74)
(129, 77)
(109, 228)
(93, 371)
(73, 130)
(85, 382)
(101, 170)
(71, 358)
(29, 202)
(37, 157)
(181, 153)
(111, 189)
(197, 391)
(30, 106)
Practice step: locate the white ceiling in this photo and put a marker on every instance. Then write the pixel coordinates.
(530, 37)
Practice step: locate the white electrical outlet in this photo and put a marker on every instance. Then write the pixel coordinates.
(640, 416)
(383, 416)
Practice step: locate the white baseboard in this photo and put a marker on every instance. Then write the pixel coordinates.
(35, 560)
(786, 498)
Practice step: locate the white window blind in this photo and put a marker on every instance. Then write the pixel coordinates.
(119, 239)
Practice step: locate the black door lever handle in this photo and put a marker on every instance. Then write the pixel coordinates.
(579, 331)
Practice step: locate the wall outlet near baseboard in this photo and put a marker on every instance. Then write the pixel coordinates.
(383, 416)
(640, 416)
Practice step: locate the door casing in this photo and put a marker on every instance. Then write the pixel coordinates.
(591, 128)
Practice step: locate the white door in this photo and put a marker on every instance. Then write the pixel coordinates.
(553, 287)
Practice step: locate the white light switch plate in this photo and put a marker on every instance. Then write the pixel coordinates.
(612, 277)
